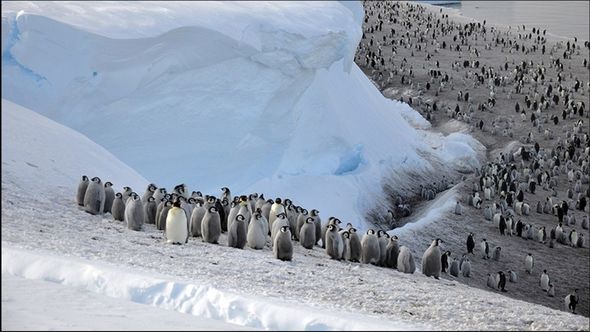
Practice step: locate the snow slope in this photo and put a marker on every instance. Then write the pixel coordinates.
(256, 96)
(217, 284)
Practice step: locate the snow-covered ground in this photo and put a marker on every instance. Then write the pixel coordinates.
(47, 238)
(255, 96)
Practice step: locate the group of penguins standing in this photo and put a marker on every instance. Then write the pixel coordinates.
(248, 220)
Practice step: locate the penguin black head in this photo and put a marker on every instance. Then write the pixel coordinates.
(126, 189)
(243, 198)
(96, 179)
(162, 190)
(151, 199)
(309, 220)
(346, 234)
(168, 203)
(191, 200)
(212, 209)
(282, 215)
(371, 231)
(258, 210)
(84, 178)
(288, 201)
(168, 196)
(176, 203)
(253, 196)
(240, 217)
(225, 189)
(285, 229)
(331, 227)
(224, 202)
(119, 195)
(270, 201)
(352, 230)
(544, 271)
(108, 184)
(278, 200)
(257, 215)
(152, 187)
(315, 212)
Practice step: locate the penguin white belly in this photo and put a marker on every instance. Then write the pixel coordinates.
(176, 226)
(545, 282)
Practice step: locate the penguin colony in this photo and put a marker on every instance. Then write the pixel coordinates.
(249, 220)
(405, 50)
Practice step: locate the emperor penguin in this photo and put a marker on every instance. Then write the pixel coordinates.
(542, 235)
(585, 222)
(176, 224)
(580, 242)
(307, 234)
(127, 194)
(466, 268)
(391, 252)
(266, 209)
(260, 201)
(383, 238)
(243, 210)
(211, 226)
(197, 219)
(159, 194)
(458, 209)
(109, 197)
(233, 211)
(292, 218)
(405, 260)
(513, 277)
(501, 278)
(280, 221)
(454, 268)
(573, 237)
(544, 281)
(149, 211)
(315, 214)
(276, 208)
(236, 236)
(346, 241)
(370, 250)
(470, 243)
(180, 190)
(444, 261)
(161, 221)
(324, 229)
(226, 193)
(431, 263)
(94, 198)
(529, 263)
(149, 192)
(551, 290)
(571, 300)
(82, 186)
(222, 216)
(256, 237)
(334, 245)
(282, 245)
(118, 209)
(496, 254)
(355, 245)
(301, 217)
(491, 281)
(485, 249)
(134, 213)
(487, 213)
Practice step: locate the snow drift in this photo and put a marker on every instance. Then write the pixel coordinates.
(260, 96)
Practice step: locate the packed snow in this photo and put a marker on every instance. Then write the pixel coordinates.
(255, 96)
(95, 257)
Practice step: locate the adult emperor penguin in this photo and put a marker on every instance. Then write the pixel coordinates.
(161, 221)
(431, 264)
(276, 208)
(470, 243)
(109, 197)
(334, 245)
(466, 268)
(94, 198)
(256, 237)
(118, 209)
(176, 224)
(496, 254)
(282, 245)
(391, 252)
(370, 248)
(513, 277)
(405, 260)
(197, 219)
(149, 211)
(211, 226)
(571, 300)
(544, 281)
(355, 245)
(236, 236)
(485, 249)
(529, 263)
(501, 281)
(82, 186)
(149, 192)
(383, 238)
(134, 213)
(307, 234)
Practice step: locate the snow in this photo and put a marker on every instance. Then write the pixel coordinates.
(255, 96)
(101, 267)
